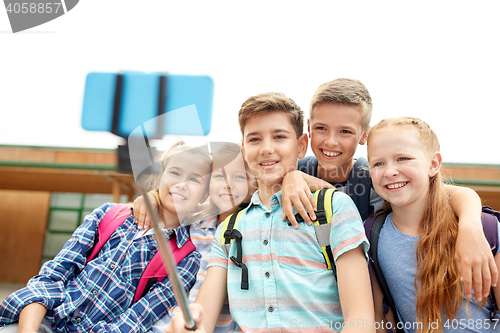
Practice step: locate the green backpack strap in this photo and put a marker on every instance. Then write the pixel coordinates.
(323, 224)
(230, 233)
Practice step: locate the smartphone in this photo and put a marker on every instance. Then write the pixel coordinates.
(121, 102)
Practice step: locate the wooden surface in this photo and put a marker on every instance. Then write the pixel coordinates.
(23, 222)
(65, 180)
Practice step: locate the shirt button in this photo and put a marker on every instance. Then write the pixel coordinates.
(267, 214)
(78, 319)
(264, 242)
(112, 266)
(267, 274)
(94, 292)
(270, 309)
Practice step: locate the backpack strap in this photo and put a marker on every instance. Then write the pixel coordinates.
(373, 225)
(113, 218)
(360, 187)
(490, 220)
(323, 225)
(155, 270)
(229, 232)
(309, 165)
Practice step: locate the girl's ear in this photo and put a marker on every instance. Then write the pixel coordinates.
(302, 149)
(364, 137)
(435, 164)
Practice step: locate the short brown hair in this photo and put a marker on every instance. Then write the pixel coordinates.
(268, 102)
(345, 91)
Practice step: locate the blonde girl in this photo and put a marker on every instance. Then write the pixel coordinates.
(69, 294)
(417, 242)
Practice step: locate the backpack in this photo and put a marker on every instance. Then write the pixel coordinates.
(322, 225)
(155, 271)
(490, 220)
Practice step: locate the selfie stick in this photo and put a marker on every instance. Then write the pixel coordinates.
(168, 261)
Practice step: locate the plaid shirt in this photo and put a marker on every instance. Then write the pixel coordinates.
(98, 296)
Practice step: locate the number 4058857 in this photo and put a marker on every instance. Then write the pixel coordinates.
(33, 7)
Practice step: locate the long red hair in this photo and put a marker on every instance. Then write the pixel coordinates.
(437, 280)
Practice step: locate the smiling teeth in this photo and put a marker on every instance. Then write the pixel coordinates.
(395, 186)
(269, 163)
(178, 196)
(330, 153)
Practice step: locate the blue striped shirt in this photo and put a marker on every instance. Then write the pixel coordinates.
(290, 288)
(98, 296)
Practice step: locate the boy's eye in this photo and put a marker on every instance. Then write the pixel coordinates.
(280, 137)
(175, 173)
(378, 164)
(403, 159)
(253, 140)
(320, 128)
(345, 132)
(196, 180)
(218, 176)
(241, 177)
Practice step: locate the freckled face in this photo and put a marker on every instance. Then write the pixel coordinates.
(400, 166)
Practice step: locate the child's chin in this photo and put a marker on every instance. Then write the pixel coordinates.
(226, 206)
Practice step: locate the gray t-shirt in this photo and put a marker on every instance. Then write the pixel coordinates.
(396, 255)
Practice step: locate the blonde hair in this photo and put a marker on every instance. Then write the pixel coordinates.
(348, 92)
(437, 280)
(269, 102)
(154, 181)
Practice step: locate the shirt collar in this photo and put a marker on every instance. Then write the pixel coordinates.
(275, 200)
(181, 235)
(208, 223)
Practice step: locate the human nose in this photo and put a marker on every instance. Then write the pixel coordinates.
(266, 147)
(227, 184)
(331, 140)
(391, 170)
(181, 185)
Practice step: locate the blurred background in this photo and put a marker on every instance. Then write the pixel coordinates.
(435, 61)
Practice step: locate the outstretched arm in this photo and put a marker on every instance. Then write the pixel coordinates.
(355, 291)
(475, 261)
(296, 192)
(208, 304)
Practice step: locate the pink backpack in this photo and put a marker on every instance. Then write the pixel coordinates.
(155, 271)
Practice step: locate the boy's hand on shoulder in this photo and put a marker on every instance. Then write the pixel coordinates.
(296, 193)
(475, 261)
(141, 216)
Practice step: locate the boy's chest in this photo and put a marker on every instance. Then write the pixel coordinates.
(267, 238)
